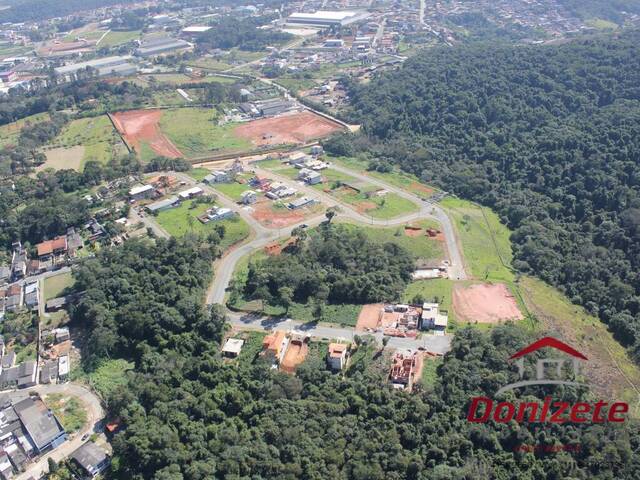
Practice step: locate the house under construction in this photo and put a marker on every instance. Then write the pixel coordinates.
(404, 366)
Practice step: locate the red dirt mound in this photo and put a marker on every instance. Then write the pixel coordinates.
(485, 303)
(142, 126)
(291, 128)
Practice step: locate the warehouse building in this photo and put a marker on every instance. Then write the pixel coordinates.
(108, 66)
(325, 18)
(160, 46)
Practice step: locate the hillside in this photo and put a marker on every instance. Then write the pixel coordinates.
(548, 136)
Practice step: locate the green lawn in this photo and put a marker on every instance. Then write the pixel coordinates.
(96, 134)
(181, 78)
(183, 219)
(485, 241)
(113, 39)
(198, 173)
(429, 371)
(195, 131)
(439, 290)
(232, 190)
(251, 347)
(54, 286)
(421, 247)
(384, 207)
(330, 177)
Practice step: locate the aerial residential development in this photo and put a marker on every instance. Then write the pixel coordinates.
(319, 239)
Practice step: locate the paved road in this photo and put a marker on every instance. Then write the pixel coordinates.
(95, 414)
(431, 343)
(149, 222)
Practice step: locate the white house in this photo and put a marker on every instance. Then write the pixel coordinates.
(337, 357)
(249, 197)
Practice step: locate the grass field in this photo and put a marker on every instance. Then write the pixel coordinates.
(54, 286)
(421, 247)
(385, 207)
(195, 131)
(113, 39)
(97, 135)
(183, 219)
(198, 173)
(439, 290)
(69, 410)
(232, 190)
(616, 373)
(251, 347)
(181, 78)
(429, 371)
(10, 132)
(485, 241)
(110, 375)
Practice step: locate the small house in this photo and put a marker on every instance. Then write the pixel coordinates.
(91, 458)
(317, 150)
(300, 203)
(309, 176)
(337, 357)
(248, 197)
(232, 347)
(218, 213)
(190, 193)
(274, 346)
(217, 176)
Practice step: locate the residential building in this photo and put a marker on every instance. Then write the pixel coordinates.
(274, 346)
(8, 359)
(19, 263)
(232, 347)
(6, 470)
(337, 357)
(317, 150)
(91, 458)
(190, 193)
(27, 372)
(403, 368)
(220, 213)
(49, 372)
(63, 367)
(300, 203)
(165, 204)
(5, 274)
(52, 248)
(311, 177)
(43, 429)
(433, 319)
(31, 296)
(248, 197)
(217, 176)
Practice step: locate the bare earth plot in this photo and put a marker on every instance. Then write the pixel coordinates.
(141, 127)
(295, 128)
(369, 317)
(271, 216)
(485, 303)
(63, 158)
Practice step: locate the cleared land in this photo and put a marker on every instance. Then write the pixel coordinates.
(195, 132)
(54, 286)
(484, 303)
(183, 219)
(294, 356)
(180, 78)
(293, 128)
(275, 214)
(611, 372)
(368, 317)
(485, 240)
(140, 128)
(113, 39)
(90, 139)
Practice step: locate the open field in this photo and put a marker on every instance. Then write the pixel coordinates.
(107, 377)
(10, 132)
(232, 190)
(69, 410)
(368, 202)
(368, 317)
(90, 139)
(252, 345)
(113, 38)
(439, 290)
(183, 219)
(485, 241)
(181, 78)
(422, 247)
(195, 131)
(198, 173)
(610, 370)
(294, 356)
(485, 303)
(63, 158)
(291, 128)
(275, 214)
(55, 285)
(140, 128)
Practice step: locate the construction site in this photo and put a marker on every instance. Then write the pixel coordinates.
(406, 369)
(400, 320)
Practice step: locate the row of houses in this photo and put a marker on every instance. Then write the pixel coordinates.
(27, 429)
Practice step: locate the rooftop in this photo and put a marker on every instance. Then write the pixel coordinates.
(39, 422)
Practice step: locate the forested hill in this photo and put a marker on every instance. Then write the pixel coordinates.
(548, 136)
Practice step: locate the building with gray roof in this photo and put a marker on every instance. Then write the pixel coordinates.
(91, 458)
(41, 425)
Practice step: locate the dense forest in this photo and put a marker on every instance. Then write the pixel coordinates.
(332, 264)
(548, 136)
(189, 415)
(36, 10)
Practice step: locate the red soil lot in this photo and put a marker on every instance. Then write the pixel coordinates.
(295, 355)
(369, 317)
(142, 125)
(485, 303)
(298, 127)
